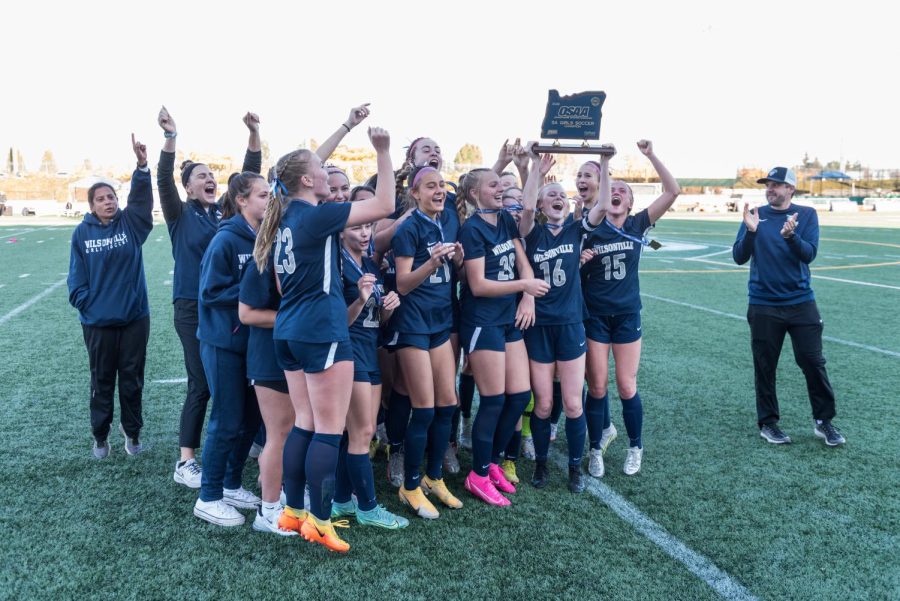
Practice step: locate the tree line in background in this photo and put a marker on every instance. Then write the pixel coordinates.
(18, 183)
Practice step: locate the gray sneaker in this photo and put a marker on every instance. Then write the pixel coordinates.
(830, 433)
(451, 461)
(132, 445)
(100, 450)
(773, 434)
(395, 469)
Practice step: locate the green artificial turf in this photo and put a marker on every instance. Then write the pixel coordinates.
(800, 521)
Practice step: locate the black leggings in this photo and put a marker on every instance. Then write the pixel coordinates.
(193, 413)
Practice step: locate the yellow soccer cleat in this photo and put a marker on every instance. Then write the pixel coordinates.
(509, 470)
(322, 532)
(415, 499)
(440, 490)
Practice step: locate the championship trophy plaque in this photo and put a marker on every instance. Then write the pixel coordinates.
(573, 117)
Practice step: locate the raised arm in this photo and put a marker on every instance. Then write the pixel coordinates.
(598, 211)
(505, 156)
(521, 156)
(253, 156)
(357, 115)
(169, 199)
(540, 166)
(139, 210)
(382, 204)
(481, 286)
(671, 189)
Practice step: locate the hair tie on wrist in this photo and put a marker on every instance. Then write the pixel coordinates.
(345, 127)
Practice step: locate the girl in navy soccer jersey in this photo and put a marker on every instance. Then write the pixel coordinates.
(367, 305)
(496, 271)
(234, 418)
(312, 341)
(338, 185)
(107, 285)
(611, 290)
(556, 343)
(191, 225)
(258, 306)
(426, 254)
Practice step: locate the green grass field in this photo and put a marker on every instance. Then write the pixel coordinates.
(731, 515)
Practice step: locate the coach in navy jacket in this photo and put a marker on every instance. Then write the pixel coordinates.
(780, 240)
(107, 286)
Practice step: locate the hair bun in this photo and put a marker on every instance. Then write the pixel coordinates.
(186, 163)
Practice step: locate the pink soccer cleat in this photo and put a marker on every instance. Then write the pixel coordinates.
(484, 489)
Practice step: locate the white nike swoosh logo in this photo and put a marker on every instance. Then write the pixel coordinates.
(761, 220)
(582, 344)
(638, 329)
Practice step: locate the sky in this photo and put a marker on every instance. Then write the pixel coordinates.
(716, 86)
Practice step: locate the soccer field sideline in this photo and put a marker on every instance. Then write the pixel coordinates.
(37, 301)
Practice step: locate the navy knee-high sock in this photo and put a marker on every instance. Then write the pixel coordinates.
(483, 429)
(513, 408)
(633, 416)
(438, 435)
(414, 445)
(454, 425)
(466, 394)
(593, 412)
(359, 468)
(294, 462)
(540, 432)
(343, 487)
(512, 448)
(321, 464)
(396, 419)
(576, 430)
(379, 419)
(557, 408)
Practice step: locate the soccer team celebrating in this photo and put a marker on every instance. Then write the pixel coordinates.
(320, 314)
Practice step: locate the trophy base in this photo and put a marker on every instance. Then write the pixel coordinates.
(602, 150)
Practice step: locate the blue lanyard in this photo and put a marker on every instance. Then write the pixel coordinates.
(487, 211)
(553, 226)
(626, 235)
(434, 222)
(360, 271)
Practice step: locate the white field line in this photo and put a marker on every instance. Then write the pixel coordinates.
(23, 232)
(857, 282)
(866, 347)
(699, 565)
(31, 301)
(171, 381)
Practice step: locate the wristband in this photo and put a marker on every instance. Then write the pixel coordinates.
(170, 134)
(345, 127)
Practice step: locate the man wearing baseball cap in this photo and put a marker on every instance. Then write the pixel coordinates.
(780, 240)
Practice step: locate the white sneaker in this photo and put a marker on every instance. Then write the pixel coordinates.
(465, 433)
(264, 523)
(595, 466)
(633, 461)
(553, 430)
(528, 448)
(240, 498)
(188, 473)
(607, 436)
(282, 498)
(218, 513)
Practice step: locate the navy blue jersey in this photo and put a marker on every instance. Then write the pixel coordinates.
(427, 308)
(610, 279)
(557, 260)
(493, 243)
(307, 262)
(363, 331)
(258, 290)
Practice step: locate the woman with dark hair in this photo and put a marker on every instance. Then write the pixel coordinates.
(191, 225)
(107, 286)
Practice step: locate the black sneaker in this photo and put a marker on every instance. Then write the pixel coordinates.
(541, 475)
(831, 434)
(773, 434)
(576, 479)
